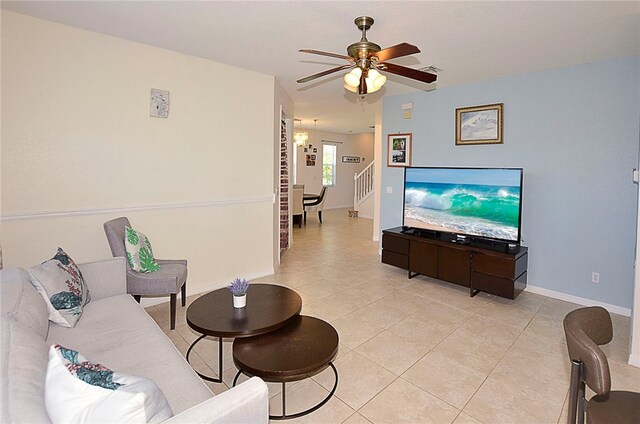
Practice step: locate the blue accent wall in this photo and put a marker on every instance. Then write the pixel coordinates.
(576, 133)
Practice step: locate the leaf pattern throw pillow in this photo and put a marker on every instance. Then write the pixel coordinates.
(139, 252)
(79, 391)
(60, 283)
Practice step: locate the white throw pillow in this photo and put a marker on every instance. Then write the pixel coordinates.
(81, 392)
(61, 285)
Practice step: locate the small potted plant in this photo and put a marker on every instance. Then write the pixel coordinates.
(239, 288)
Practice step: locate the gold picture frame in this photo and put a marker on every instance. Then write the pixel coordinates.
(479, 124)
(399, 149)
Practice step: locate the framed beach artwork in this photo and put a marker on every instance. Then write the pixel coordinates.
(399, 149)
(479, 124)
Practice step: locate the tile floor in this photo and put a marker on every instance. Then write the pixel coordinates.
(414, 351)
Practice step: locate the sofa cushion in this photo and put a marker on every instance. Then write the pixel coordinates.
(23, 366)
(117, 332)
(62, 287)
(80, 391)
(22, 303)
(139, 252)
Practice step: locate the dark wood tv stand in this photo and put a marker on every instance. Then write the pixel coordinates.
(491, 267)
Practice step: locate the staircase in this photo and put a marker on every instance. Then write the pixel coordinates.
(363, 189)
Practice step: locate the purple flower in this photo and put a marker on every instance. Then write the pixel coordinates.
(239, 286)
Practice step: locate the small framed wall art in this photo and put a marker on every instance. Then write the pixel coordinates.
(479, 124)
(351, 159)
(399, 149)
(311, 160)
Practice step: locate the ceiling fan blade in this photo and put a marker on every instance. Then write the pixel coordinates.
(407, 72)
(362, 87)
(402, 49)
(336, 55)
(323, 73)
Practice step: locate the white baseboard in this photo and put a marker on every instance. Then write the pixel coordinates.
(579, 300)
(202, 288)
(338, 207)
(634, 360)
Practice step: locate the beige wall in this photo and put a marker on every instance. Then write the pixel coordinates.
(77, 138)
(340, 196)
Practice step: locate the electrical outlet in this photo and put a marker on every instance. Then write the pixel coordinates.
(595, 277)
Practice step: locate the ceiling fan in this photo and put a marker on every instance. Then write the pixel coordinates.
(366, 59)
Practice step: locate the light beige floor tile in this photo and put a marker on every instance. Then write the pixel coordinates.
(392, 352)
(445, 378)
(556, 308)
(359, 379)
(416, 328)
(380, 314)
(353, 332)
(356, 419)
(444, 315)
(549, 328)
(402, 402)
(327, 309)
(564, 417)
(499, 403)
(317, 290)
(306, 394)
(481, 355)
(531, 347)
(406, 301)
(465, 419)
(487, 330)
(532, 376)
(624, 376)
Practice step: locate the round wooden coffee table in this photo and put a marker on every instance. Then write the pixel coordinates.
(302, 348)
(269, 307)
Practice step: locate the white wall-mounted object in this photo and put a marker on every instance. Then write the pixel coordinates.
(159, 107)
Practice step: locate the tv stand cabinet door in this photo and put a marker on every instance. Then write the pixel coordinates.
(454, 266)
(423, 258)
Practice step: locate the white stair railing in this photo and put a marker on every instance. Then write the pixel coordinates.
(363, 185)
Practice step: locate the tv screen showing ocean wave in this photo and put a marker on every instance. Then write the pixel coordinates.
(476, 202)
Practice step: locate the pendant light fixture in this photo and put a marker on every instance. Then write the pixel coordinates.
(300, 136)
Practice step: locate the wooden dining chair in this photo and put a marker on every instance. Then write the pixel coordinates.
(315, 205)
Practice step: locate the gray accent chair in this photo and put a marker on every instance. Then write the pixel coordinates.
(168, 280)
(585, 330)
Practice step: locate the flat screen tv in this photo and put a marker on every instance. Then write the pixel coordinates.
(476, 202)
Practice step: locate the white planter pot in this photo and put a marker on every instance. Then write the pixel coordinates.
(240, 301)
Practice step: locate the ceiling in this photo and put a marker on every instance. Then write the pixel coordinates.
(469, 41)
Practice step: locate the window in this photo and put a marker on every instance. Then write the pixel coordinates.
(329, 165)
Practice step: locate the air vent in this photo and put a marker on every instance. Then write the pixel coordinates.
(432, 69)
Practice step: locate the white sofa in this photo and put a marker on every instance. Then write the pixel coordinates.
(116, 332)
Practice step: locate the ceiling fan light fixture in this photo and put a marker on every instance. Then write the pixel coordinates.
(352, 89)
(375, 80)
(352, 78)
